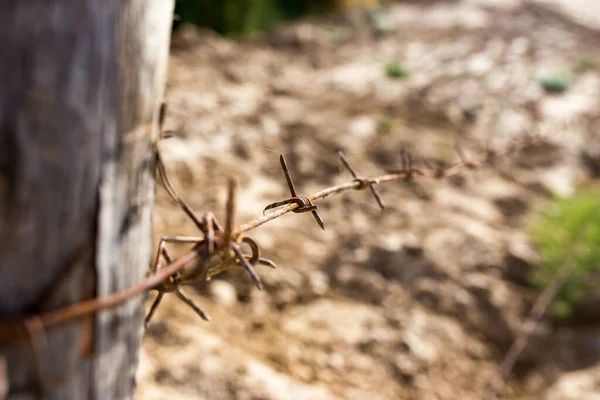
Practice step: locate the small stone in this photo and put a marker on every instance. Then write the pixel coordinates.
(223, 292)
(319, 282)
(336, 361)
(582, 384)
(362, 127)
(406, 366)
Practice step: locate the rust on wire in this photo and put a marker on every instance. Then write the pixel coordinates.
(170, 286)
(217, 241)
(361, 181)
(462, 156)
(407, 164)
(225, 244)
(437, 173)
(304, 202)
(37, 343)
(408, 172)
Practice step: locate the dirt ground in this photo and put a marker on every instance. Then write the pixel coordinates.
(422, 301)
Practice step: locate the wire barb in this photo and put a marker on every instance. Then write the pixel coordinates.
(215, 240)
(170, 285)
(362, 183)
(304, 204)
(462, 157)
(408, 172)
(438, 173)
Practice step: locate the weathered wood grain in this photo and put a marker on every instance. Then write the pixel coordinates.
(80, 86)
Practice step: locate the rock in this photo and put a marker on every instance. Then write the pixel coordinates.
(265, 381)
(328, 322)
(454, 251)
(318, 283)
(468, 204)
(406, 367)
(223, 292)
(576, 11)
(366, 285)
(512, 123)
(483, 303)
(363, 127)
(356, 79)
(287, 110)
(445, 296)
(285, 285)
(579, 102)
(560, 180)
(404, 265)
(576, 385)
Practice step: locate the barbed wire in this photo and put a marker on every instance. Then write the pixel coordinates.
(227, 242)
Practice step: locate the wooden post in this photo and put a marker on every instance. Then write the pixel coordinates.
(80, 87)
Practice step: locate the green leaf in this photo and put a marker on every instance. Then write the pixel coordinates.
(396, 70)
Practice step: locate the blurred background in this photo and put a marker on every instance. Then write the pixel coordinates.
(422, 301)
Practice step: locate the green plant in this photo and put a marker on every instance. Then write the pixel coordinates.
(381, 21)
(555, 81)
(396, 70)
(230, 17)
(568, 231)
(387, 124)
(244, 17)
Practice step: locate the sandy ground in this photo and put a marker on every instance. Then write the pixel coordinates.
(422, 301)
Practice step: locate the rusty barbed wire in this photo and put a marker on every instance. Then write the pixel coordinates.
(226, 243)
(302, 201)
(362, 182)
(216, 240)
